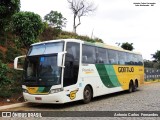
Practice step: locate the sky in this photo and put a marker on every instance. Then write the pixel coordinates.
(114, 21)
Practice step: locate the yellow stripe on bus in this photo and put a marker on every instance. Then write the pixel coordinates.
(127, 73)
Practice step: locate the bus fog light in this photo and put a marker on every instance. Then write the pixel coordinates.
(56, 90)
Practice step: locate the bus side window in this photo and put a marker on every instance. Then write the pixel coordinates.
(88, 54)
(113, 56)
(140, 59)
(102, 56)
(84, 59)
(121, 58)
(129, 60)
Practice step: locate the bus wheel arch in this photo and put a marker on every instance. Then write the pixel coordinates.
(87, 94)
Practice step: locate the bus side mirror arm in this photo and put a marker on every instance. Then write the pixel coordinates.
(59, 59)
(16, 62)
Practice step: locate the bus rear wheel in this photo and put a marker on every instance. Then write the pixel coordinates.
(136, 85)
(87, 94)
(131, 87)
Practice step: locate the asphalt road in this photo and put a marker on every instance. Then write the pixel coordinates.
(147, 98)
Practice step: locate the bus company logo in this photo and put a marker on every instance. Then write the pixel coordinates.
(88, 71)
(72, 94)
(125, 69)
(32, 90)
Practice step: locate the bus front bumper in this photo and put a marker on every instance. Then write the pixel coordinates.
(56, 98)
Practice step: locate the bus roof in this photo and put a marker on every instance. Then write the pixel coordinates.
(103, 45)
(58, 40)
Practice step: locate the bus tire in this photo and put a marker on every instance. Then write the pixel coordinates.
(131, 87)
(87, 94)
(134, 88)
(135, 85)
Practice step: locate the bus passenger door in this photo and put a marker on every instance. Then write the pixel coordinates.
(71, 64)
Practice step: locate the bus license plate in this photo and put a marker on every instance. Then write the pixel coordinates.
(38, 98)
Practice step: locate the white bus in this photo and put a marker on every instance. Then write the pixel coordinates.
(61, 71)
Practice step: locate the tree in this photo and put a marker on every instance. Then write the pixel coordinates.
(27, 26)
(156, 56)
(7, 9)
(127, 46)
(80, 8)
(55, 19)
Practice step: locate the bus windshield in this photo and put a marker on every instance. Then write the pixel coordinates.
(42, 70)
(41, 64)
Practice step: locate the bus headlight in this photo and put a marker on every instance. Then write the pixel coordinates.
(55, 90)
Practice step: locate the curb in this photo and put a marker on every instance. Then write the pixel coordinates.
(151, 82)
(13, 105)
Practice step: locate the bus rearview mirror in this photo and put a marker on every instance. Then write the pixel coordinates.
(60, 59)
(16, 62)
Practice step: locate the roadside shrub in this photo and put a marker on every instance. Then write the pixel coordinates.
(6, 92)
(10, 81)
(16, 77)
(4, 80)
(11, 54)
(1, 55)
(2, 41)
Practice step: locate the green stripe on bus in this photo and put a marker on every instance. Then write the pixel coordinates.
(104, 75)
(46, 89)
(112, 75)
(40, 89)
(43, 89)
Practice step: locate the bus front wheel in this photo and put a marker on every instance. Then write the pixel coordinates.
(87, 94)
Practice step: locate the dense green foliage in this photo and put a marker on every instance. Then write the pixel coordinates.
(11, 53)
(10, 81)
(55, 19)
(4, 80)
(27, 26)
(1, 55)
(7, 9)
(156, 56)
(151, 64)
(127, 46)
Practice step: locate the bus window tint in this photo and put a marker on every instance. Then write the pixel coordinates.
(121, 58)
(135, 59)
(102, 56)
(71, 64)
(129, 60)
(88, 54)
(48, 48)
(113, 57)
(140, 59)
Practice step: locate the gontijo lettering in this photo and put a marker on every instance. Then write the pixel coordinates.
(125, 69)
